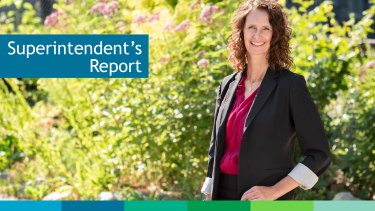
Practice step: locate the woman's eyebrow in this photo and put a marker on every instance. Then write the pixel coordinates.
(255, 25)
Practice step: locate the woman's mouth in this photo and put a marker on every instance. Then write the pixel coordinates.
(257, 43)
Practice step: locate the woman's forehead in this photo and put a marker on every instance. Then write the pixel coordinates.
(258, 17)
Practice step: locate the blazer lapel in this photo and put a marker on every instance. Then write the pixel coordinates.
(230, 97)
(265, 89)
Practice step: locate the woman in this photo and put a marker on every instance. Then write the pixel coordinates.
(265, 109)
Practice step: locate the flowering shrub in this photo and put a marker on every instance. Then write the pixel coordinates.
(104, 134)
(183, 26)
(105, 9)
(163, 59)
(154, 16)
(194, 4)
(201, 54)
(140, 19)
(203, 62)
(52, 19)
(207, 12)
(99, 7)
(168, 26)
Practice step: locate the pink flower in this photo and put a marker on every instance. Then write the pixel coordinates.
(140, 19)
(164, 59)
(206, 11)
(214, 9)
(154, 16)
(203, 62)
(183, 26)
(168, 26)
(99, 7)
(209, 20)
(52, 19)
(222, 11)
(201, 54)
(370, 64)
(66, 1)
(51, 122)
(112, 7)
(123, 27)
(192, 5)
(205, 15)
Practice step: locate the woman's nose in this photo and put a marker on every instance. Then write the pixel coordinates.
(256, 33)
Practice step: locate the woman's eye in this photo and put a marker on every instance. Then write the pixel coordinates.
(267, 28)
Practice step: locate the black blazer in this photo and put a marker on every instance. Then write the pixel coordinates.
(283, 110)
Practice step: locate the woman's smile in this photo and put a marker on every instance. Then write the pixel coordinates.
(257, 44)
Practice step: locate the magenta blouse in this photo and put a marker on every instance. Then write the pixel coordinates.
(235, 125)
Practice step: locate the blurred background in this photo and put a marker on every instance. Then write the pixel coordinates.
(148, 138)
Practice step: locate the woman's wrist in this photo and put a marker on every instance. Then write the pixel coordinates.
(284, 186)
(277, 192)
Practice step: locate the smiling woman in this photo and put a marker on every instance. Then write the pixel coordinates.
(266, 108)
(257, 32)
(260, 21)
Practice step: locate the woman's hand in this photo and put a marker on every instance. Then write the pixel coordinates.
(260, 193)
(208, 197)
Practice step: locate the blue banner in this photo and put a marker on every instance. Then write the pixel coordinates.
(74, 56)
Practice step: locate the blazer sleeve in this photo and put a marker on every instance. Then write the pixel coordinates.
(211, 150)
(310, 131)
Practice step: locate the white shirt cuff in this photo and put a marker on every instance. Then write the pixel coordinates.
(206, 189)
(304, 176)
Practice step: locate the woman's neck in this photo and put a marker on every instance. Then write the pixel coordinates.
(256, 69)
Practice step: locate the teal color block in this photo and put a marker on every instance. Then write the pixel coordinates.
(344, 205)
(30, 205)
(156, 205)
(219, 205)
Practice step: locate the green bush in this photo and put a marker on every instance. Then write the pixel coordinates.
(108, 134)
(354, 126)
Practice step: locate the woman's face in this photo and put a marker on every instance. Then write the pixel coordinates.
(257, 32)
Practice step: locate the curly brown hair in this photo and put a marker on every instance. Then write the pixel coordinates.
(279, 52)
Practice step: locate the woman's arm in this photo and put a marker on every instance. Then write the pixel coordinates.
(311, 136)
(312, 141)
(206, 189)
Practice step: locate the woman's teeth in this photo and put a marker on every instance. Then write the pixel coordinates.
(257, 43)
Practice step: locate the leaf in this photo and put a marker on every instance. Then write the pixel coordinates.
(28, 6)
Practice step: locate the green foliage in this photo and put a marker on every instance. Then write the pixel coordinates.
(124, 134)
(36, 192)
(354, 125)
(14, 120)
(15, 21)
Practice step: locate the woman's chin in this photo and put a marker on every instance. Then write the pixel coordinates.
(257, 53)
(256, 50)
